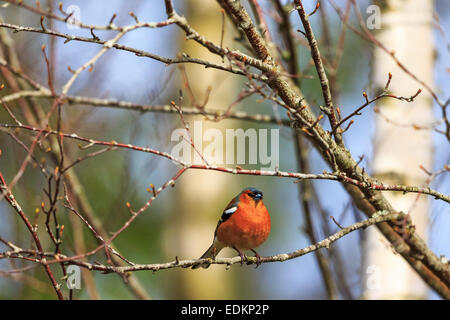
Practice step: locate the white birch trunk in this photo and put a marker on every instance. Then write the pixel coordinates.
(399, 151)
(201, 194)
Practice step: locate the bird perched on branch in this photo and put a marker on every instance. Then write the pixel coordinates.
(244, 225)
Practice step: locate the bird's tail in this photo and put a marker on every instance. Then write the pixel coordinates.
(212, 252)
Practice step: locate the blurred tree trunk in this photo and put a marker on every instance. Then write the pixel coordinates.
(197, 213)
(399, 151)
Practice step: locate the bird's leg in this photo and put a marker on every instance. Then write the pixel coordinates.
(243, 257)
(258, 258)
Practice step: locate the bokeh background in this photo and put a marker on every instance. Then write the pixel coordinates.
(182, 219)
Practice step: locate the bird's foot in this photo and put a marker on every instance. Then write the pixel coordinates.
(258, 258)
(242, 255)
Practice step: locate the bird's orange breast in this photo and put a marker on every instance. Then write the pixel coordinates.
(247, 228)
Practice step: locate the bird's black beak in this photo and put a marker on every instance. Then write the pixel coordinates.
(258, 197)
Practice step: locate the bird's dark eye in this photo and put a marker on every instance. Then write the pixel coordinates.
(255, 195)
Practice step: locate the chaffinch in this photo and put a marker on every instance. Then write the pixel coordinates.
(244, 225)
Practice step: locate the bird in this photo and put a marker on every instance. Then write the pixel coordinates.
(244, 225)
